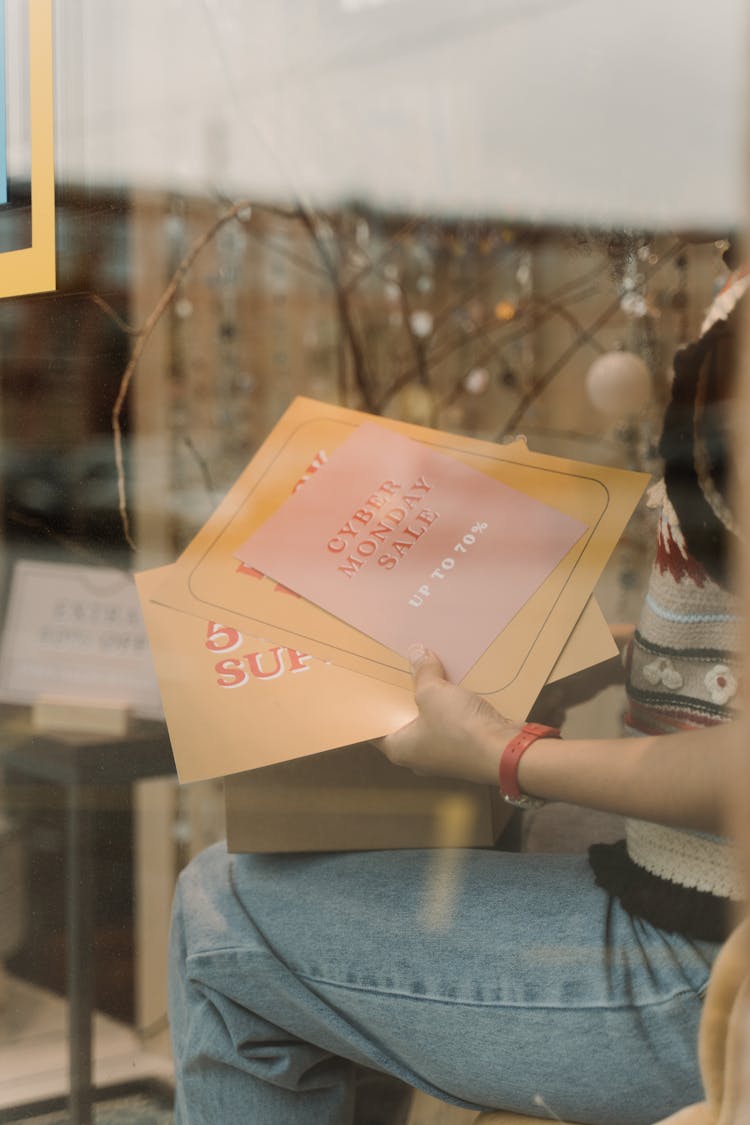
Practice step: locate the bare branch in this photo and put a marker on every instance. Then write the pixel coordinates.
(201, 462)
(583, 337)
(361, 371)
(115, 317)
(141, 339)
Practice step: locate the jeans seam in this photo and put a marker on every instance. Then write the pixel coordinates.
(691, 993)
(421, 998)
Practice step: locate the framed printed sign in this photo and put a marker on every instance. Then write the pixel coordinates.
(27, 179)
(76, 635)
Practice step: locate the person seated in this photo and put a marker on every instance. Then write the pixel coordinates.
(562, 986)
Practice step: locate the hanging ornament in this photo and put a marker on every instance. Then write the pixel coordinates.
(505, 310)
(632, 287)
(477, 381)
(618, 384)
(632, 300)
(523, 273)
(421, 323)
(415, 404)
(634, 304)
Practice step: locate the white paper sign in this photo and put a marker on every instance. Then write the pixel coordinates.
(76, 632)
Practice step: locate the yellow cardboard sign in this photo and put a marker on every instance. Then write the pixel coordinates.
(284, 705)
(209, 582)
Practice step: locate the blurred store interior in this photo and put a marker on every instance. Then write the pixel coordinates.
(441, 213)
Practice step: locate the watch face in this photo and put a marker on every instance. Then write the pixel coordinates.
(524, 802)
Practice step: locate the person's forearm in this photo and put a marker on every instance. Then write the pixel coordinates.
(677, 779)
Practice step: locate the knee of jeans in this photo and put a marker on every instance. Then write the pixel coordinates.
(206, 875)
(207, 910)
(200, 893)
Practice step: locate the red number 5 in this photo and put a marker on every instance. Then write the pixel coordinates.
(222, 638)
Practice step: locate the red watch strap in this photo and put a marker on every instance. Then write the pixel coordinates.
(513, 753)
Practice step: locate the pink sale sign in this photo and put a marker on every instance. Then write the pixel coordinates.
(410, 545)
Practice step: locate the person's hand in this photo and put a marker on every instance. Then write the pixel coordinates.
(456, 733)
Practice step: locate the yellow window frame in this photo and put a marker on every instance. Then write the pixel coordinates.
(32, 269)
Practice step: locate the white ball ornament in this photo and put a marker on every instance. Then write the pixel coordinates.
(421, 323)
(477, 381)
(618, 384)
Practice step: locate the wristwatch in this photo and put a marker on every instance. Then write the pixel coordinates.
(511, 756)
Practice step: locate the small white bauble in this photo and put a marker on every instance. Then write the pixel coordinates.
(477, 381)
(421, 323)
(618, 384)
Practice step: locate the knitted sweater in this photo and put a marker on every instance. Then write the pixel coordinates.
(683, 663)
(683, 672)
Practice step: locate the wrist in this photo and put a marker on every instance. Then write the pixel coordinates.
(531, 768)
(513, 754)
(493, 746)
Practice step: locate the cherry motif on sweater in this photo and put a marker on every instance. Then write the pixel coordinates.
(663, 671)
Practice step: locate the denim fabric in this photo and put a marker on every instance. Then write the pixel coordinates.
(488, 979)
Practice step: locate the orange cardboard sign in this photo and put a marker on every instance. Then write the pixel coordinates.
(233, 702)
(208, 581)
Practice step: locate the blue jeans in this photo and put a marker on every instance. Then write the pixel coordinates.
(488, 979)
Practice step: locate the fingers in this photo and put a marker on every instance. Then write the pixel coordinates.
(400, 747)
(426, 667)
